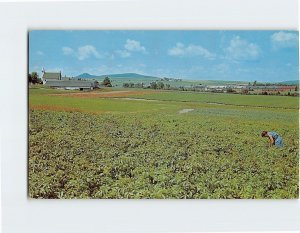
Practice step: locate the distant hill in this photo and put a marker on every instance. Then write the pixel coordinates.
(292, 82)
(124, 75)
(129, 75)
(86, 75)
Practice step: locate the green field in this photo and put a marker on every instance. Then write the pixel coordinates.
(227, 99)
(140, 145)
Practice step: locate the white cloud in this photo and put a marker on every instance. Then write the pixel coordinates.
(181, 50)
(284, 40)
(87, 51)
(178, 50)
(83, 52)
(67, 50)
(240, 49)
(123, 53)
(134, 46)
(130, 47)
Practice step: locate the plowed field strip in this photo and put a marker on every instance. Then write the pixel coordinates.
(104, 94)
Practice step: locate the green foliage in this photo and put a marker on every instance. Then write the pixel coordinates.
(126, 85)
(230, 90)
(160, 85)
(144, 149)
(29, 78)
(153, 85)
(34, 78)
(230, 99)
(93, 105)
(106, 82)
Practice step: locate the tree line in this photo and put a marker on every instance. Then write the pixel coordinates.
(153, 85)
(34, 78)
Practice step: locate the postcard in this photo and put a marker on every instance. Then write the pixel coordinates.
(163, 114)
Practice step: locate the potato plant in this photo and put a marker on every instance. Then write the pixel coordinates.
(210, 153)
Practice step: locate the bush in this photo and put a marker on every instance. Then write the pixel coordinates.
(245, 92)
(106, 82)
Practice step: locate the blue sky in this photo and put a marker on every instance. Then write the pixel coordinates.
(207, 55)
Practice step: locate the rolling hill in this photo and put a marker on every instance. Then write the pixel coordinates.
(134, 77)
(123, 75)
(86, 75)
(291, 82)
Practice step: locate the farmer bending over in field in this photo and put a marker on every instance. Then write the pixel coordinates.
(274, 138)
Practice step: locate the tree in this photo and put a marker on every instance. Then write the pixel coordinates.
(255, 83)
(34, 78)
(106, 82)
(245, 91)
(139, 85)
(153, 85)
(29, 78)
(96, 84)
(296, 88)
(230, 90)
(160, 85)
(126, 85)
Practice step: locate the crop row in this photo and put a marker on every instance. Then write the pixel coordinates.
(80, 155)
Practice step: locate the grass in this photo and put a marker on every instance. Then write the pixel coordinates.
(41, 100)
(232, 99)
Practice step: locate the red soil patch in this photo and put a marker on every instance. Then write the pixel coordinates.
(69, 109)
(64, 109)
(55, 108)
(109, 94)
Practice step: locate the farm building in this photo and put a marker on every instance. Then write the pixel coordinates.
(200, 87)
(71, 84)
(274, 88)
(215, 88)
(240, 86)
(51, 76)
(55, 80)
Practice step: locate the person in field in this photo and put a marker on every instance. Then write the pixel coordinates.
(274, 138)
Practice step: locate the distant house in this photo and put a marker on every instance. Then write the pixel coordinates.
(215, 88)
(146, 85)
(239, 86)
(55, 80)
(200, 86)
(274, 88)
